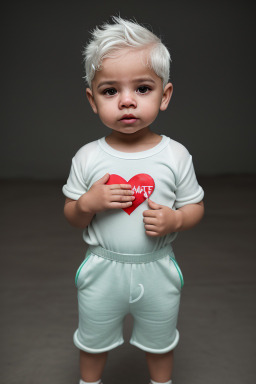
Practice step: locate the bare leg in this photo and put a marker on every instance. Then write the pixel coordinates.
(92, 365)
(160, 366)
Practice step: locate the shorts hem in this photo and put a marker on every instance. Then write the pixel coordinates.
(81, 346)
(164, 350)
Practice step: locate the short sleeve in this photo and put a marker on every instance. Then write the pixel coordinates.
(75, 186)
(188, 191)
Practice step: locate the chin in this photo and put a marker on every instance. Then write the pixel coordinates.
(131, 131)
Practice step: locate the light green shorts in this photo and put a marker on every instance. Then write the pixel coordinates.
(111, 285)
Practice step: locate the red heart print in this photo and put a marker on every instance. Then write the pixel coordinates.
(142, 184)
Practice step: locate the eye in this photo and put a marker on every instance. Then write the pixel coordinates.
(110, 91)
(143, 89)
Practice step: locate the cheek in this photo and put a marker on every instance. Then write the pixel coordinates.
(106, 112)
(151, 109)
(103, 107)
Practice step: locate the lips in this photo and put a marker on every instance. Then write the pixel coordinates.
(128, 119)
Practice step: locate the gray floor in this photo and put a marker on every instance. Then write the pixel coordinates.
(40, 253)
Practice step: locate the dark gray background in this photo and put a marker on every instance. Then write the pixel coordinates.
(46, 117)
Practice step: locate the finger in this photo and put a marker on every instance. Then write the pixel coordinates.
(123, 192)
(121, 198)
(149, 213)
(116, 205)
(153, 205)
(120, 186)
(152, 233)
(150, 220)
(150, 227)
(103, 180)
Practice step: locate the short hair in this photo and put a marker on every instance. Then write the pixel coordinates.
(108, 39)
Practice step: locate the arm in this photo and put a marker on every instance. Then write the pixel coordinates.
(190, 215)
(75, 216)
(100, 197)
(160, 220)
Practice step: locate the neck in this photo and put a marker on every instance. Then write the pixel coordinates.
(140, 140)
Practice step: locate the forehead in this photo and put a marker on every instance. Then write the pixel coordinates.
(125, 65)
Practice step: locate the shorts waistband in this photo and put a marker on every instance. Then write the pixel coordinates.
(130, 257)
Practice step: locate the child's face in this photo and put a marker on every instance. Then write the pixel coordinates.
(127, 94)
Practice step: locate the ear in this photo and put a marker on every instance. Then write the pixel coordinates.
(91, 99)
(167, 94)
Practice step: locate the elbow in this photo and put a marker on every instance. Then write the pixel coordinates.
(74, 221)
(70, 219)
(75, 224)
(201, 204)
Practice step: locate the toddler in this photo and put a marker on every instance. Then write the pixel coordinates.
(131, 192)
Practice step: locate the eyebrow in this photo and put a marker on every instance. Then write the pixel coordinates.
(139, 80)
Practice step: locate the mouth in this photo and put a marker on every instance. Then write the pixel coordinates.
(128, 119)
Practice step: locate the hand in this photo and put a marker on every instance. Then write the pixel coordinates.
(160, 220)
(101, 196)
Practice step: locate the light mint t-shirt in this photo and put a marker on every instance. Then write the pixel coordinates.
(169, 164)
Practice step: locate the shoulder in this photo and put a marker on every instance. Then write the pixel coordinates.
(86, 153)
(86, 150)
(179, 158)
(177, 153)
(84, 157)
(177, 148)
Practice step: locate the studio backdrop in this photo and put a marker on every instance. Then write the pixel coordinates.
(45, 115)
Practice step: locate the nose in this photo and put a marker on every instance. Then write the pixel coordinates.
(127, 100)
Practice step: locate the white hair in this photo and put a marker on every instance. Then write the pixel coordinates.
(108, 39)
